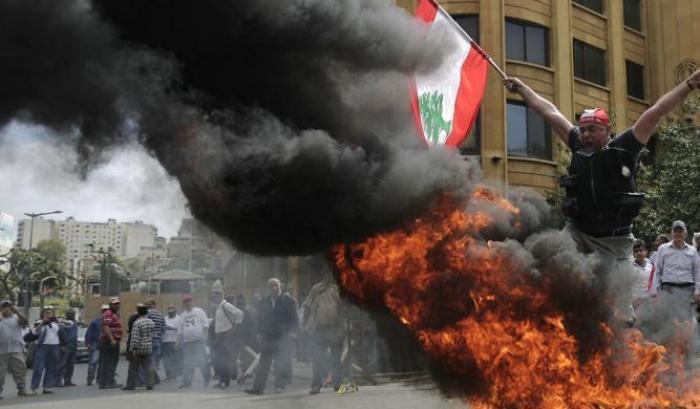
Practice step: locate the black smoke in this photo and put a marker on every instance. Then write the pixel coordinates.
(286, 123)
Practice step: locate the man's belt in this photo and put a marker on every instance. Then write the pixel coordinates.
(679, 285)
(620, 231)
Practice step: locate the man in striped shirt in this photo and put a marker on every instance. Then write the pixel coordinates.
(159, 321)
(140, 349)
(109, 345)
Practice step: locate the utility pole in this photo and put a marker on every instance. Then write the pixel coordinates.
(27, 276)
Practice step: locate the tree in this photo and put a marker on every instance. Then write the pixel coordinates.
(51, 270)
(671, 179)
(45, 267)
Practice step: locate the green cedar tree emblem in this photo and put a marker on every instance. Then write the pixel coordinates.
(431, 112)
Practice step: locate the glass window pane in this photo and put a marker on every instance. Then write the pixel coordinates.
(536, 45)
(515, 41)
(470, 24)
(632, 14)
(517, 129)
(595, 5)
(472, 146)
(595, 64)
(578, 59)
(537, 136)
(635, 80)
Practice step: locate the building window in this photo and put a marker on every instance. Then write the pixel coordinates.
(528, 133)
(632, 14)
(472, 145)
(595, 5)
(589, 63)
(635, 80)
(527, 42)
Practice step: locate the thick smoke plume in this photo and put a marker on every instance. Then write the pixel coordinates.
(286, 124)
(283, 121)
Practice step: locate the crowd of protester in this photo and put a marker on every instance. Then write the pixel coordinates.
(228, 341)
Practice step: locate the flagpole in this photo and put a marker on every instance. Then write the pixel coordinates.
(473, 43)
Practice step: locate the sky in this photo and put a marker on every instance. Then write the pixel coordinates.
(37, 174)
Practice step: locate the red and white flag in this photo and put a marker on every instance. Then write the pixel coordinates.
(445, 100)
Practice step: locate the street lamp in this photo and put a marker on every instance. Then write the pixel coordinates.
(27, 284)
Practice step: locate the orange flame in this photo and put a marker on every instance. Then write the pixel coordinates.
(469, 307)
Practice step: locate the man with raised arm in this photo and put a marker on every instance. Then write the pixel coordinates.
(601, 200)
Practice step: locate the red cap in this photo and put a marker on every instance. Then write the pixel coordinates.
(186, 297)
(596, 116)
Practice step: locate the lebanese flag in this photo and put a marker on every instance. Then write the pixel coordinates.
(445, 100)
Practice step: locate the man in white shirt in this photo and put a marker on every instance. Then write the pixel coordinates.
(172, 358)
(46, 354)
(193, 335)
(677, 271)
(12, 348)
(227, 319)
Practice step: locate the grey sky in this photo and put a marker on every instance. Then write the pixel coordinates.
(36, 175)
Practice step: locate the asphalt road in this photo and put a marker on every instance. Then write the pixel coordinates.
(390, 395)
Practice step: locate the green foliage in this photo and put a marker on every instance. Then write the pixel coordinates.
(556, 196)
(47, 263)
(75, 303)
(672, 180)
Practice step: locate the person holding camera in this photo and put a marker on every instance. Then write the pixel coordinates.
(12, 348)
(47, 351)
(601, 199)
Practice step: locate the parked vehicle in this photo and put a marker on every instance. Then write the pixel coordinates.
(82, 354)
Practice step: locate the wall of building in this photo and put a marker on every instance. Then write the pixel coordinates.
(565, 21)
(674, 37)
(44, 229)
(138, 235)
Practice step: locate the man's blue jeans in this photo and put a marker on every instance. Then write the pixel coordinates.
(94, 352)
(45, 365)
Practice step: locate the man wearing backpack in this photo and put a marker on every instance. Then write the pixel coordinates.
(225, 346)
(68, 335)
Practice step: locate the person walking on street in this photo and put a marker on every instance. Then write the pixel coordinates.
(278, 319)
(226, 322)
(194, 326)
(246, 337)
(601, 199)
(109, 345)
(46, 354)
(140, 349)
(68, 334)
(678, 271)
(322, 322)
(172, 357)
(12, 348)
(92, 342)
(159, 321)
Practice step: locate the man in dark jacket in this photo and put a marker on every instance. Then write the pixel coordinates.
(68, 334)
(278, 320)
(92, 342)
